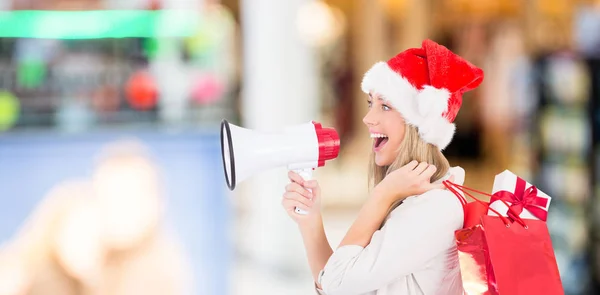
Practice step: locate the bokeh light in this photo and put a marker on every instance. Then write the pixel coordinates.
(141, 90)
(9, 110)
(207, 89)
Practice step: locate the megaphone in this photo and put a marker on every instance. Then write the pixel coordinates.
(300, 148)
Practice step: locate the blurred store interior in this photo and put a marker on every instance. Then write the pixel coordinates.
(111, 180)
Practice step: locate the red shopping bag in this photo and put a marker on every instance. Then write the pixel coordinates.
(504, 256)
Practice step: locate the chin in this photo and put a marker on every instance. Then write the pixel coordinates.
(381, 161)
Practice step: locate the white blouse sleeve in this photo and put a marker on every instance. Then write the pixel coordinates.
(416, 232)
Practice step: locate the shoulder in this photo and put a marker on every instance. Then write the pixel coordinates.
(439, 204)
(437, 198)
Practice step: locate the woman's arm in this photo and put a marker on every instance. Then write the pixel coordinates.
(315, 240)
(369, 219)
(317, 246)
(306, 195)
(318, 249)
(361, 262)
(415, 233)
(411, 179)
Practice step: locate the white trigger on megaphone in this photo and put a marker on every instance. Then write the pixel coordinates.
(246, 152)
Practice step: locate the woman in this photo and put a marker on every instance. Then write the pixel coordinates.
(402, 241)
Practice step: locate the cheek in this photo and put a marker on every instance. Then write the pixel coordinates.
(389, 153)
(396, 125)
(392, 150)
(394, 143)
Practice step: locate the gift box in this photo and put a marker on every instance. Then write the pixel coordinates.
(513, 196)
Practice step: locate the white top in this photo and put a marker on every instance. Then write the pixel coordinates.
(413, 253)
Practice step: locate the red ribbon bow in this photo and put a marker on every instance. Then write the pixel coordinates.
(523, 199)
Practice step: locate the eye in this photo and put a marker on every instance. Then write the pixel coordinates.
(369, 102)
(386, 108)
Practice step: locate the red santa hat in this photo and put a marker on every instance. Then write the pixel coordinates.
(426, 86)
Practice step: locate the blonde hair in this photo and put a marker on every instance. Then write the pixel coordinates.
(413, 147)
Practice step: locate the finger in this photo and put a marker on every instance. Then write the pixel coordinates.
(295, 177)
(411, 165)
(314, 186)
(294, 187)
(291, 205)
(429, 171)
(441, 185)
(421, 167)
(437, 186)
(298, 198)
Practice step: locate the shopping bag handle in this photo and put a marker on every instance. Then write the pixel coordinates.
(453, 187)
(460, 197)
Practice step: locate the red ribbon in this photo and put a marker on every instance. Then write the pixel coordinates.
(521, 199)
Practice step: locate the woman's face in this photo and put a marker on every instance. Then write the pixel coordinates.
(386, 126)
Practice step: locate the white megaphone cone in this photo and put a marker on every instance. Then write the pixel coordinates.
(300, 148)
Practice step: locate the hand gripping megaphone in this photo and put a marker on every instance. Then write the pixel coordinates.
(300, 148)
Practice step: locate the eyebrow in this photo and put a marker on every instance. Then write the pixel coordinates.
(379, 97)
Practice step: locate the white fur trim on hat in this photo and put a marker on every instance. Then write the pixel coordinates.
(422, 108)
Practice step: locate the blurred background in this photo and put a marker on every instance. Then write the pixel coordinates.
(110, 167)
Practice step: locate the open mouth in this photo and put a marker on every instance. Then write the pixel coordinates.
(380, 140)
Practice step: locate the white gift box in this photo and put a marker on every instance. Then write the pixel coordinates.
(507, 181)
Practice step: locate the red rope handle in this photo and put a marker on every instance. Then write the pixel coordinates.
(461, 198)
(464, 189)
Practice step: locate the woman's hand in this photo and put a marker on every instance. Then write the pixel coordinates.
(311, 228)
(297, 194)
(411, 179)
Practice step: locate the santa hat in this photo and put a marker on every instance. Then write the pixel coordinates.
(426, 86)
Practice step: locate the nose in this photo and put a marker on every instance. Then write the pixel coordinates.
(370, 119)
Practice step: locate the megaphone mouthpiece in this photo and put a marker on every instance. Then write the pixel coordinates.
(329, 143)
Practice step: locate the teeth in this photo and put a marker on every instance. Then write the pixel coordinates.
(378, 135)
